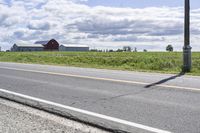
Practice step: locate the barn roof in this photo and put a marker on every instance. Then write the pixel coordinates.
(74, 45)
(41, 42)
(29, 45)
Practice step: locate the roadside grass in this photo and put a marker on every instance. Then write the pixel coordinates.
(164, 62)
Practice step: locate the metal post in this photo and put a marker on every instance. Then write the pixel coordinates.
(187, 61)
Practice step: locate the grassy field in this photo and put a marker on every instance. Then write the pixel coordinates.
(166, 62)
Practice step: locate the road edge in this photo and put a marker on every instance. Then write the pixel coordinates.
(72, 114)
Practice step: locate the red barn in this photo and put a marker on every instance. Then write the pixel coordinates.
(51, 45)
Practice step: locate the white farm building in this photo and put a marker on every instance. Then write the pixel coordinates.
(73, 47)
(21, 47)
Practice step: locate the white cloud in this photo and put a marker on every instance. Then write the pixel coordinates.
(100, 27)
(38, 25)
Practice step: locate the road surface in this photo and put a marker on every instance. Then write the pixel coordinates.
(163, 101)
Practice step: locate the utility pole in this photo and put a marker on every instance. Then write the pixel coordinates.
(187, 61)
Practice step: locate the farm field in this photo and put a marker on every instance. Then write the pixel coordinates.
(164, 62)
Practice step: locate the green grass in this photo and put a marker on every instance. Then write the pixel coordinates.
(166, 62)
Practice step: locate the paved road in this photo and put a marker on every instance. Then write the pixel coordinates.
(163, 101)
(16, 118)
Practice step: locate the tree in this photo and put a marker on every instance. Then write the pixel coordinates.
(111, 50)
(94, 50)
(169, 48)
(127, 48)
(135, 49)
(145, 50)
(119, 50)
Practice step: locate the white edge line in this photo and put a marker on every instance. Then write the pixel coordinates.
(104, 79)
(132, 124)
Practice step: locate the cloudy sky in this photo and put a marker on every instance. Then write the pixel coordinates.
(103, 24)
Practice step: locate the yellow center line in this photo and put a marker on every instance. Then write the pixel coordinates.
(103, 79)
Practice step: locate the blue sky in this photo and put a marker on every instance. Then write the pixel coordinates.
(142, 3)
(139, 3)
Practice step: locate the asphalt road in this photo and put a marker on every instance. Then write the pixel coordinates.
(163, 101)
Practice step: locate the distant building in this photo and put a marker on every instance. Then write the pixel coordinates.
(51, 45)
(27, 47)
(67, 47)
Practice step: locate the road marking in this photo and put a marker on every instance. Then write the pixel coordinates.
(104, 79)
(101, 116)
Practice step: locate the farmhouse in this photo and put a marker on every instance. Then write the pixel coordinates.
(73, 47)
(51, 45)
(26, 47)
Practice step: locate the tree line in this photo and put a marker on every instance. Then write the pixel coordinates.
(169, 48)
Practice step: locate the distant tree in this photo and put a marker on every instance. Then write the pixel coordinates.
(94, 50)
(135, 49)
(100, 50)
(169, 48)
(127, 48)
(111, 50)
(145, 50)
(119, 50)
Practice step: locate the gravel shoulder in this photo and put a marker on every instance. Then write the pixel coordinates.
(17, 118)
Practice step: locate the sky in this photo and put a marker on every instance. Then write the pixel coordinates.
(101, 24)
(141, 3)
